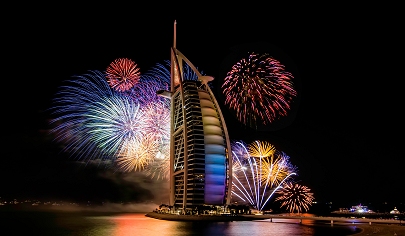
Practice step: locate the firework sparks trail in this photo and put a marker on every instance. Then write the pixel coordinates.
(258, 171)
(258, 89)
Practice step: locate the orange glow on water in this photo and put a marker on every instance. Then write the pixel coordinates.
(138, 224)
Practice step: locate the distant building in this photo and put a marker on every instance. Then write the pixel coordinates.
(395, 211)
(360, 209)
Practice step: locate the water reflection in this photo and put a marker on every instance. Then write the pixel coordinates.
(79, 223)
(267, 228)
(137, 224)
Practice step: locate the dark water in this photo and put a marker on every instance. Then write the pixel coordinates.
(120, 224)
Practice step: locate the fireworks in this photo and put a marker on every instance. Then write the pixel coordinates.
(122, 74)
(157, 115)
(158, 121)
(107, 117)
(93, 120)
(126, 122)
(145, 91)
(295, 197)
(137, 154)
(258, 89)
(161, 72)
(258, 171)
(97, 122)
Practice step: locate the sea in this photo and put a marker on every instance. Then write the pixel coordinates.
(57, 223)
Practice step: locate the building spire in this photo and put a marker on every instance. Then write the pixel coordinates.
(174, 34)
(175, 67)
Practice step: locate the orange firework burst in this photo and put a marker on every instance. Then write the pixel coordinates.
(261, 149)
(122, 74)
(295, 197)
(137, 154)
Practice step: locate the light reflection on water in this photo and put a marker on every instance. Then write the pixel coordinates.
(138, 224)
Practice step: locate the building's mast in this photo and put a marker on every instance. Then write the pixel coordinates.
(172, 89)
(174, 34)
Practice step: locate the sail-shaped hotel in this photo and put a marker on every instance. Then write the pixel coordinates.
(200, 165)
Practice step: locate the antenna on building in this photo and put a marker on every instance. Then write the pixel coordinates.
(174, 34)
(175, 65)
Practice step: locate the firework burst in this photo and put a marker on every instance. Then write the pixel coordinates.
(122, 74)
(295, 197)
(258, 171)
(258, 89)
(93, 120)
(137, 154)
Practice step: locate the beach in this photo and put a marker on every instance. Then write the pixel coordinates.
(382, 229)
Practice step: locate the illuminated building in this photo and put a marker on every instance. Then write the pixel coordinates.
(360, 209)
(200, 169)
(395, 211)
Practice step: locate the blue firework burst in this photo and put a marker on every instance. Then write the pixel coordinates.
(93, 120)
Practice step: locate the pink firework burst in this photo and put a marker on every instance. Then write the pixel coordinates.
(122, 74)
(258, 89)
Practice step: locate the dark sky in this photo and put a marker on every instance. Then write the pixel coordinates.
(344, 135)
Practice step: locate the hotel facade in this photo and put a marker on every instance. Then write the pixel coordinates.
(200, 165)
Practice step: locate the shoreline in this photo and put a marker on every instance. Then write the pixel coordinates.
(247, 217)
(218, 218)
(385, 228)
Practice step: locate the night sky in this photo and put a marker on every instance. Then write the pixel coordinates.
(344, 133)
